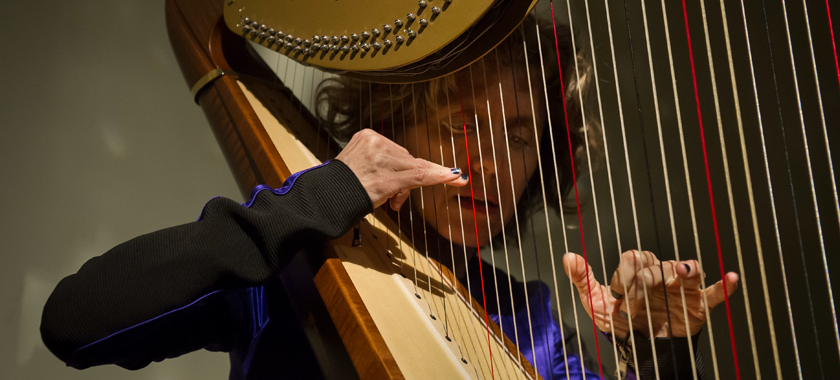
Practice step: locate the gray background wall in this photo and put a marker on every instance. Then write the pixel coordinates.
(99, 142)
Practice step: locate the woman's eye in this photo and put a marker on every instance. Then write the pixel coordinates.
(519, 141)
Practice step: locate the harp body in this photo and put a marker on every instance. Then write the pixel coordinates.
(383, 320)
(267, 134)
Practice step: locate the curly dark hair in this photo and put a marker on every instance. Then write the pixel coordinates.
(346, 105)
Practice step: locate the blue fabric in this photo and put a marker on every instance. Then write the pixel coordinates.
(548, 338)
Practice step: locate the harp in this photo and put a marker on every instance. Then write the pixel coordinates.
(750, 189)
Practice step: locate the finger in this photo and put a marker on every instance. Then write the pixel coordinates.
(580, 272)
(428, 174)
(399, 199)
(625, 275)
(690, 274)
(715, 293)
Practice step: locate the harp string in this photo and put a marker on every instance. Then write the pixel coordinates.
(527, 186)
(437, 227)
(574, 178)
(475, 220)
(836, 63)
(463, 234)
(411, 217)
(627, 161)
(770, 184)
(711, 195)
(545, 204)
(831, 171)
(515, 212)
(589, 162)
(748, 179)
(484, 190)
(649, 51)
(451, 244)
(644, 149)
(813, 191)
(733, 216)
(501, 215)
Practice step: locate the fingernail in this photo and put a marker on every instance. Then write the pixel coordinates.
(456, 170)
(687, 268)
(624, 315)
(616, 295)
(465, 176)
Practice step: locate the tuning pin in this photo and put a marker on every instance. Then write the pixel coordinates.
(398, 23)
(375, 32)
(400, 39)
(325, 47)
(354, 37)
(344, 49)
(387, 43)
(246, 20)
(424, 22)
(386, 28)
(411, 34)
(421, 4)
(365, 35)
(246, 29)
(281, 36)
(345, 39)
(410, 16)
(355, 48)
(316, 39)
(435, 10)
(366, 46)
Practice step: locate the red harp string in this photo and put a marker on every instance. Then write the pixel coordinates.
(711, 193)
(574, 177)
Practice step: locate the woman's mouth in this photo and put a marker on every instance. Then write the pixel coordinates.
(481, 206)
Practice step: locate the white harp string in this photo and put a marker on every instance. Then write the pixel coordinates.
(463, 235)
(544, 189)
(627, 160)
(750, 194)
(771, 192)
(811, 182)
(832, 178)
(501, 214)
(451, 248)
(560, 202)
(516, 213)
(486, 207)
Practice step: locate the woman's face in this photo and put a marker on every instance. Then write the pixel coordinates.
(498, 177)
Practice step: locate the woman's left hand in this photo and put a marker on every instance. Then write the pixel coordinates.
(639, 273)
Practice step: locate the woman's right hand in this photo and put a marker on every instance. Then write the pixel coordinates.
(388, 171)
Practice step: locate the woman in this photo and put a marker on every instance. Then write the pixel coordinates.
(208, 284)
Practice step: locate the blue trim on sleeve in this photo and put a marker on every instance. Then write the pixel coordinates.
(258, 311)
(147, 321)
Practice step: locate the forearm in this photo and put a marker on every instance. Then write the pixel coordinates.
(229, 247)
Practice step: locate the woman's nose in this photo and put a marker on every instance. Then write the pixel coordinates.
(483, 160)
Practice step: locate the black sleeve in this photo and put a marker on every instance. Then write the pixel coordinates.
(666, 358)
(191, 270)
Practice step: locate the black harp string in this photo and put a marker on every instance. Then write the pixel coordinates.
(793, 198)
(635, 214)
(627, 163)
(771, 194)
(589, 157)
(808, 154)
(655, 219)
(515, 211)
(748, 180)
